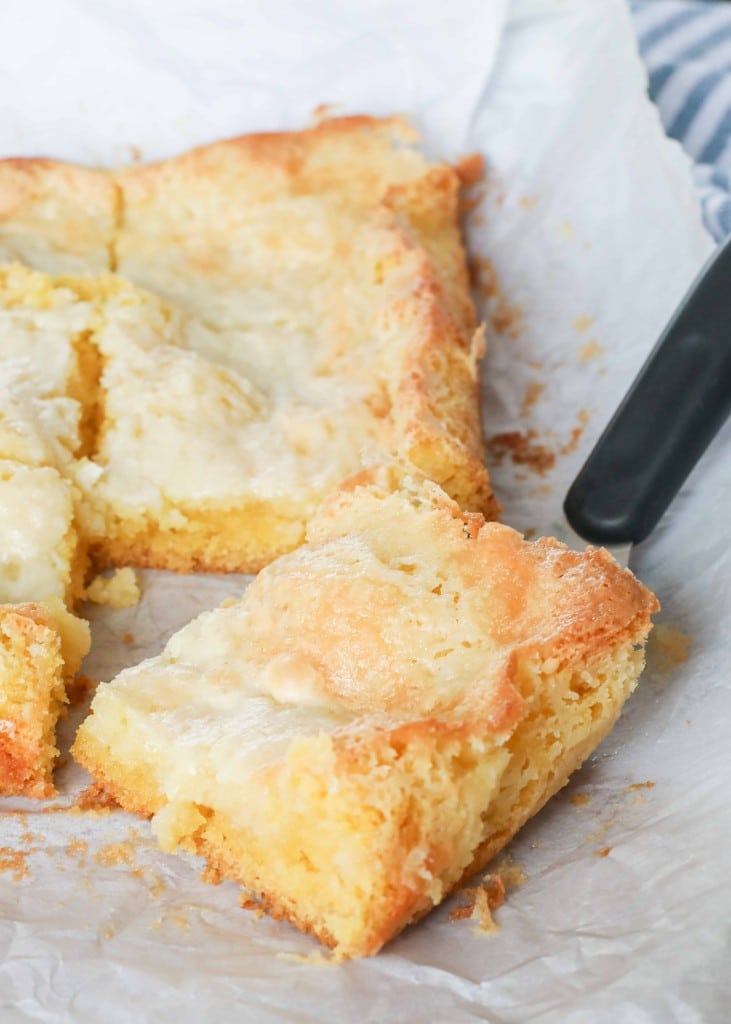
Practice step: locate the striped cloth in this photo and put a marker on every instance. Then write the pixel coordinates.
(686, 45)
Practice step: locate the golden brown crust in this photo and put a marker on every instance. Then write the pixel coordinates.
(428, 680)
(177, 226)
(31, 696)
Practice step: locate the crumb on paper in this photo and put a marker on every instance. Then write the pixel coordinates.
(503, 317)
(77, 848)
(576, 433)
(528, 202)
(523, 449)
(95, 800)
(135, 154)
(211, 875)
(116, 853)
(489, 895)
(250, 903)
(128, 638)
(78, 688)
(580, 799)
(14, 863)
(668, 647)
(581, 324)
(120, 590)
(108, 932)
(481, 901)
(532, 393)
(604, 852)
(566, 231)
(591, 350)
(640, 785)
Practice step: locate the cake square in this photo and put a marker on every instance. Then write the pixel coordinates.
(32, 695)
(380, 713)
(324, 268)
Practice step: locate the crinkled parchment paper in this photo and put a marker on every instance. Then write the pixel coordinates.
(587, 233)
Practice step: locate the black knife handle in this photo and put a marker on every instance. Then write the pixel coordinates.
(673, 410)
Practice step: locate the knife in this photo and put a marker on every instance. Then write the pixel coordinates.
(677, 404)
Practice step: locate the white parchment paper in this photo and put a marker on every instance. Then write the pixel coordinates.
(592, 231)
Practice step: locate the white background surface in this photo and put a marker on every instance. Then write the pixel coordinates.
(589, 214)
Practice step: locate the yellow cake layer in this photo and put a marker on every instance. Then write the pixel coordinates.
(380, 713)
(31, 696)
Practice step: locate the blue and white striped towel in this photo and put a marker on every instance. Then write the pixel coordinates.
(686, 45)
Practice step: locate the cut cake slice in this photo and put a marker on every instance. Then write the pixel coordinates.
(380, 713)
(324, 267)
(181, 461)
(32, 694)
(44, 371)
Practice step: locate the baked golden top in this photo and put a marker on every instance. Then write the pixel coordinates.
(399, 610)
(379, 713)
(304, 259)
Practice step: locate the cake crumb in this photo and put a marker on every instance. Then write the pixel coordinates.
(489, 895)
(211, 875)
(566, 231)
(116, 853)
(604, 852)
(481, 901)
(120, 590)
(528, 202)
(592, 350)
(128, 638)
(253, 905)
(640, 785)
(108, 932)
(523, 450)
(580, 799)
(95, 799)
(576, 432)
(77, 848)
(78, 688)
(14, 862)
